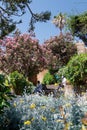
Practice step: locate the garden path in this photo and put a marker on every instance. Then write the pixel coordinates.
(68, 89)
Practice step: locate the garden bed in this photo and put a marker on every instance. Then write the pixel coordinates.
(35, 112)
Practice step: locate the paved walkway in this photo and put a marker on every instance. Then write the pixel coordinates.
(68, 89)
(52, 86)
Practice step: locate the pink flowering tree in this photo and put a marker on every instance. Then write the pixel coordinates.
(22, 53)
(58, 50)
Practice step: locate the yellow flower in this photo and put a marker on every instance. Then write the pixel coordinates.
(56, 84)
(83, 127)
(32, 119)
(59, 120)
(67, 105)
(27, 122)
(43, 107)
(15, 104)
(67, 125)
(32, 106)
(52, 110)
(43, 118)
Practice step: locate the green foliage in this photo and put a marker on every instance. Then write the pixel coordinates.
(57, 78)
(78, 26)
(48, 78)
(76, 70)
(19, 83)
(5, 95)
(17, 8)
(34, 112)
(62, 71)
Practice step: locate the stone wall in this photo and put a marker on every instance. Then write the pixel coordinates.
(41, 75)
(81, 47)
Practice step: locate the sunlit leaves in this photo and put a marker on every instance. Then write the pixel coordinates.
(78, 26)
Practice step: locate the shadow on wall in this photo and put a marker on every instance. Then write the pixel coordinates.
(81, 47)
(41, 74)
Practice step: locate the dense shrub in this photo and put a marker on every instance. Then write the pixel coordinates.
(36, 112)
(19, 83)
(48, 78)
(76, 71)
(5, 95)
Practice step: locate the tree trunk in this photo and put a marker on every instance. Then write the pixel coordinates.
(33, 79)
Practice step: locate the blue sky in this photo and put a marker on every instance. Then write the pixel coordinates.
(46, 30)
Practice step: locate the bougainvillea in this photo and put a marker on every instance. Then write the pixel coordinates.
(22, 53)
(59, 50)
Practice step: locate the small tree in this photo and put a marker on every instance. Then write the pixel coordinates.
(58, 51)
(22, 53)
(59, 21)
(77, 24)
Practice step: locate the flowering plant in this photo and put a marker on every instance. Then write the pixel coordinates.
(21, 53)
(33, 112)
